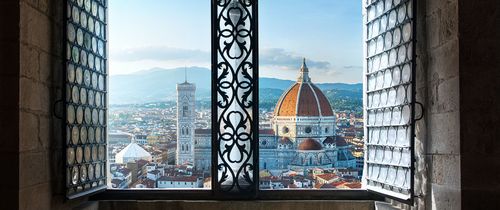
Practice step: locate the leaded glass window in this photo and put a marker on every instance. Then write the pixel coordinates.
(86, 96)
(389, 97)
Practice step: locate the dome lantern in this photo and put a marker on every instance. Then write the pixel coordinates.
(304, 73)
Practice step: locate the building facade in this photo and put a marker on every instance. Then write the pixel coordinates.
(302, 134)
(186, 116)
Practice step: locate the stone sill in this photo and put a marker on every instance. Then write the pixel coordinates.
(239, 205)
(380, 205)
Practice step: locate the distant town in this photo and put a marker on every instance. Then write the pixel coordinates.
(305, 142)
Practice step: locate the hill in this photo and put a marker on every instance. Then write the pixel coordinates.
(158, 84)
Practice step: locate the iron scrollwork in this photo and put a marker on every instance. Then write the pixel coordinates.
(235, 63)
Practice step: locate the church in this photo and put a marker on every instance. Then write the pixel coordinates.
(302, 135)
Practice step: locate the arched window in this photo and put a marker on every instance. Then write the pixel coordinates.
(185, 111)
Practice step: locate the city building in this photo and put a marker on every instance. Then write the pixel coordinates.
(119, 138)
(131, 153)
(138, 169)
(302, 134)
(202, 146)
(180, 182)
(141, 139)
(186, 116)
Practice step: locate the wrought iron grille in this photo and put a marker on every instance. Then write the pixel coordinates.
(390, 97)
(86, 96)
(234, 79)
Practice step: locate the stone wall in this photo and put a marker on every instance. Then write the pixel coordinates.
(439, 88)
(458, 152)
(42, 179)
(437, 143)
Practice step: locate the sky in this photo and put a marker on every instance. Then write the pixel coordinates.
(145, 34)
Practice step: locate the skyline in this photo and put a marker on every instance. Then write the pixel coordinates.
(333, 24)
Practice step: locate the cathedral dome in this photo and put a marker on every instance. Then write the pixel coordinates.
(310, 144)
(303, 98)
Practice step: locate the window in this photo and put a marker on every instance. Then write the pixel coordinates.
(85, 100)
(312, 43)
(390, 97)
(234, 140)
(308, 129)
(160, 88)
(184, 111)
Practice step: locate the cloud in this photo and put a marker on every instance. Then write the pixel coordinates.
(274, 62)
(160, 54)
(352, 67)
(275, 57)
(287, 60)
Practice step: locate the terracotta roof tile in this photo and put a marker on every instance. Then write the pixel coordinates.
(303, 99)
(328, 176)
(326, 108)
(287, 104)
(307, 106)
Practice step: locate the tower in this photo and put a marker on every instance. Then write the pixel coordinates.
(185, 122)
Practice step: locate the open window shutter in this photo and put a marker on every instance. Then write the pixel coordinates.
(234, 85)
(86, 96)
(389, 97)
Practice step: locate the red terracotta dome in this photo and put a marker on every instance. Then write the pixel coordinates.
(310, 144)
(303, 98)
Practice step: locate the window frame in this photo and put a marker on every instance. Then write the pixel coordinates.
(105, 193)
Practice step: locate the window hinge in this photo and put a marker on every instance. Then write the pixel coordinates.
(421, 111)
(55, 109)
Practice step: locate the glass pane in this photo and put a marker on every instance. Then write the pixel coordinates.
(80, 98)
(310, 93)
(160, 94)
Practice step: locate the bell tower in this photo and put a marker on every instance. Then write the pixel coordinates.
(186, 116)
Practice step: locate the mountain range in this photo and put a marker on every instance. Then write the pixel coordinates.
(159, 84)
